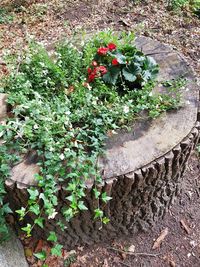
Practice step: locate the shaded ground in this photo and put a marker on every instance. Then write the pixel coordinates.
(49, 21)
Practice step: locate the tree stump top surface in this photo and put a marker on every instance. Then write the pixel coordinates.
(151, 139)
(148, 139)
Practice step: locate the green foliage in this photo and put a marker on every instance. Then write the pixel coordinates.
(40, 255)
(65, 120)
(127, 68)
(52, 237)
(57, 250)
(5, 16)
(178, 3)
(194, 5)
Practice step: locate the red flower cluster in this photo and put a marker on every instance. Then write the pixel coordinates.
(97, 71)
(102, 51)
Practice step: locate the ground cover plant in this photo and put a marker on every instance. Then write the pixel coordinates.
(62, 108)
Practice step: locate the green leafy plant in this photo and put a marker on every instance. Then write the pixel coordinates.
(128, 68)
(194, 5)
(5, 16)
(64, 118)
(177, 3)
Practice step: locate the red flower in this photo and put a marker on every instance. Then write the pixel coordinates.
(89, 70)
(115, 62)
(94, 63)
(102, 51)
(91, 77)
(111, 46)
(103, 70)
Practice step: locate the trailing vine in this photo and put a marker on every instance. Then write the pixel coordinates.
(64, 117)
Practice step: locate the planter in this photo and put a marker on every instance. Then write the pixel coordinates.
(142, 169)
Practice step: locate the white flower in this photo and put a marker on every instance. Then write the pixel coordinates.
(53, 214)
(126, 109)
(67, 112)
(35, 127)
(150, 94)
(62, 156)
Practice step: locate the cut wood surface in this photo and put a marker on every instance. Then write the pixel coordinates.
(142, 169)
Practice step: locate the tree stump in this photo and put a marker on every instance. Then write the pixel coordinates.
(142, 170)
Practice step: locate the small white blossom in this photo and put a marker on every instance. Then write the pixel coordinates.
(126, 109)
(35, 127)
(67, 112)
(53, 215)
(62, 156)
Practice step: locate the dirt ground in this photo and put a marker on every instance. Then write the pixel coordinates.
(48, 21)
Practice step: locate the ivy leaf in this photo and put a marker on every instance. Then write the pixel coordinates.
(61, 225)
(112, 75)
(96, 193)
(71, 187)
(35, 209)
(98, 213)
(105, 198)
(71, 198)
(105, 220)
(68, 213)
(6, 209)
(81, 206)
(33, 193)
(40, 255)
(39, 221)
(57, 250)
(52, 237)
(21, 212)
(27, 229)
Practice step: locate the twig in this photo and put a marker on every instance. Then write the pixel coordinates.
(160, 239)
(185, 227)
(134, 253)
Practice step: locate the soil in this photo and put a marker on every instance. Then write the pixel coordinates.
(48, 21)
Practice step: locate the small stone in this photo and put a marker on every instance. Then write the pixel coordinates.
(72, 252)
(131, 249)
(193, 243)
(189, 255)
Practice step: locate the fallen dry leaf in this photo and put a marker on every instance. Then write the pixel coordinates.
(28, 252)
(39, 246)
